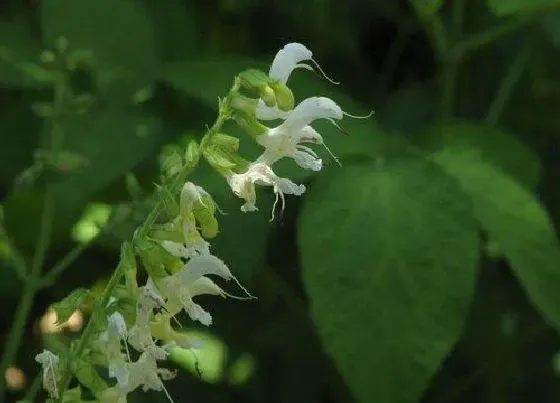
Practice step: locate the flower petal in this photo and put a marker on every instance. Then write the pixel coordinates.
(286, 60)
(263, 112)
(311, 109)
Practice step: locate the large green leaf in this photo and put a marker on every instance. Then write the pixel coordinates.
(505, 7)
(515, 219)
(117, 31)
(20, 57)
(503, 149)
(389, 254)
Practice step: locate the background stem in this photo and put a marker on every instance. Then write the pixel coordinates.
(31, 283)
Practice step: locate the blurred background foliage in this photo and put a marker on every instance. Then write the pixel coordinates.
(426, 269)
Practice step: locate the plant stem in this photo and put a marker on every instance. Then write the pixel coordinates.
(478, 41)
(450, 66)
(34, 388)
(18, 261)
(507, 85)
(64, 263)
(31, 285)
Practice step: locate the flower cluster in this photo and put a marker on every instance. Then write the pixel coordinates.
(133, 331)
(291, 138)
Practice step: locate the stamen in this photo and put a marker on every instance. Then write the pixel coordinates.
(369, 115)
(339, 127)
(274, 207)
(331, 154)
(236, 281)
(324, 74)
(166, 392)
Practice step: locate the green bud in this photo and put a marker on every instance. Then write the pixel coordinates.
(250, 124)
(153, 257)
(244, 104)
(171, 161)
(225, 142)
(128, 266)
(284, 96)
(267, 95)
(208, 223)
(192, 154)
(170, 205)
(253, 80)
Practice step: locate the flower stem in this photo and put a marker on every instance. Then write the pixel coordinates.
(31, 284)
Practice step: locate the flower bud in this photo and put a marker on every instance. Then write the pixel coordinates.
(244, 104)
(192, 154)
(284, 96)
(250, 124)
(171, 161)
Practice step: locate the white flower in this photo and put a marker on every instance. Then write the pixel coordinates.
(193, 243)
(287, 139)
(145, 373)
(259, 173)
(111, 341)
(285, 61)
(139, 335)
(191, 281)
(51, 376)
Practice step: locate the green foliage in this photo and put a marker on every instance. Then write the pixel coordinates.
(517, 221)
(491, 144)
(506, 7)
(104, 139)
(65, 308)
(389, 254)
(125, 54)
(20, 58)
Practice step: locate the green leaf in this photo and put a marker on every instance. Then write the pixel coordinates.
(389, 254)
(65, 308)
(506, 7)
(124, 49)
(86, 374)
(175, 26)
(207, 78)
(19, 58)
(515, 219)
(492, 144)
(111, 143)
